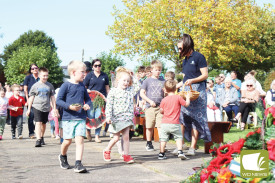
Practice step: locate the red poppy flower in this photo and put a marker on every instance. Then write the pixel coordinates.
(249, 134)
(204, 175)
(224, 160)
(271, 149)
(223, 148)
(213, 152)
(258, 130)
(219, 161)
(237, 146)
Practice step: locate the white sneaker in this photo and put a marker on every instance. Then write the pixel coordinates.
(20, 136)
(57, 137)
(190, 152)
(181, 155)
(184, 147)
(175, 152)
(111, 135)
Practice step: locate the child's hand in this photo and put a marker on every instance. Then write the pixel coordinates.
(75, 107)
(28, 112)
(86, 107)
(152, 103)
(55, 113)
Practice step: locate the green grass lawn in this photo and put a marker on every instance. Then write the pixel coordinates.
(232, 136)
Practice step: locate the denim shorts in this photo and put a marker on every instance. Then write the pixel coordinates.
(167, 129)
(73, 128)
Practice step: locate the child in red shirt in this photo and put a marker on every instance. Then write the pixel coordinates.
(16, 106)
(170, 108)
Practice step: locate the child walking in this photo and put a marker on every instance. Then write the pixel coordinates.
(120, 112)
(16, 106)
(71, 97)
(4, 103)
(54, 124)
(41, 99)
(170, 108)
(151, 91)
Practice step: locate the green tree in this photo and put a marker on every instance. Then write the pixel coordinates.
(18, 64)
(110, 62)
(228, 33)
(30, 38)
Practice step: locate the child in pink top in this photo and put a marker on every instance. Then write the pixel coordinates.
(4, 103)
(54, 124)
(170, 108)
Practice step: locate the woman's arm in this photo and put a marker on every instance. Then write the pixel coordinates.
(180, 84)
(234, 95)
(26, 92)
(256, 97)
(107, 87)
(202, 77)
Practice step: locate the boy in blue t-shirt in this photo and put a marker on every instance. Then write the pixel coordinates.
(71, 98)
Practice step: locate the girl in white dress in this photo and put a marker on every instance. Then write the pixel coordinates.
(120, 112)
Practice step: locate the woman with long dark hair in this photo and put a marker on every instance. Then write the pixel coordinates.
(195, 71)
(99, 81)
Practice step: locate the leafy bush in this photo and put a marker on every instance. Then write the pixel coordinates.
(270, 77)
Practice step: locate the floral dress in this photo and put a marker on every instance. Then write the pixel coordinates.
(120, 107)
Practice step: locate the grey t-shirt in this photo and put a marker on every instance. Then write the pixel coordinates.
(153, 88)
(42, 93)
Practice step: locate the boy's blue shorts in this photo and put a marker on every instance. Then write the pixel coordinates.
(73, 128)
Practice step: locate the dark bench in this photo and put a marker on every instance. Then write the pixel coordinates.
(217, 129)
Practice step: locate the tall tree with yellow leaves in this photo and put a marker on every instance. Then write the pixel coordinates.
(231, 34)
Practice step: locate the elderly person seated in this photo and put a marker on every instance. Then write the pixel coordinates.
(250, 97)
(270, 96)
(229, 99)
(258, 86)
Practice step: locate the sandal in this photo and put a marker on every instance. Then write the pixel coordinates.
(234, 120)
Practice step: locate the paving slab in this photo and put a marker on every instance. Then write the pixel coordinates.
(22, 162)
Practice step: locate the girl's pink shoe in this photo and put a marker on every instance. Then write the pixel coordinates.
(107, 155)
(128, 159)
(0, 137)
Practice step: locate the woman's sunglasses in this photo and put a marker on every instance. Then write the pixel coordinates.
(97, 65)
(34, 68)
(249, 85)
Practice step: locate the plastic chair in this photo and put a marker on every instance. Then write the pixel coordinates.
(255, 120)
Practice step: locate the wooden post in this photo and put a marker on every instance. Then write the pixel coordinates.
(156, 135)
(142, 122)
(217, 129)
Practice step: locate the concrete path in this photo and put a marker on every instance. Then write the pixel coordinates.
(22, 162)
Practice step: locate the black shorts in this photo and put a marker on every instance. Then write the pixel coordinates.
(40, 116)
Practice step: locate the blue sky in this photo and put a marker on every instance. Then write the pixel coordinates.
(74, 25)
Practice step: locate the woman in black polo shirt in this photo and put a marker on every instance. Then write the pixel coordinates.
(194, 117)
(99, 81)
(30, 80)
